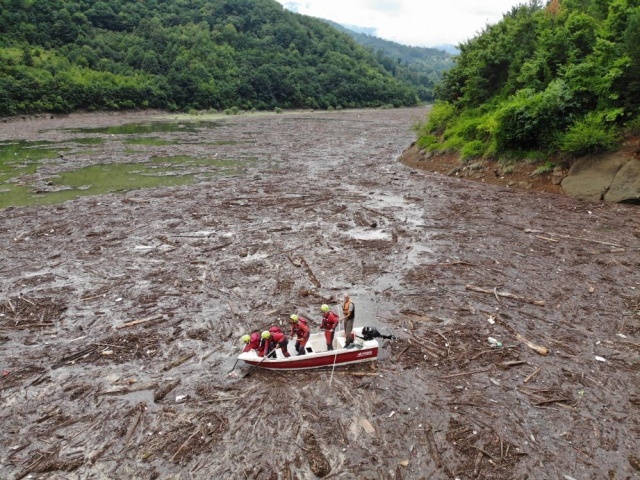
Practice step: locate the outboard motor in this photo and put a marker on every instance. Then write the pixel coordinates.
(369, 333)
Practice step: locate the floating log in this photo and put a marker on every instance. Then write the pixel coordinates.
(512, 296)
(138, 322)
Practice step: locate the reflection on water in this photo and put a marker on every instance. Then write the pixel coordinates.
(117, 177)
(143, 128)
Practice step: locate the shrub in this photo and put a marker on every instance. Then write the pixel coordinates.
(428, 142)
(546, 168)
(439, 117)
(473, 149)
(278, 110)
(590, 134)
(530, 119)
(633, 127)
(452, 144)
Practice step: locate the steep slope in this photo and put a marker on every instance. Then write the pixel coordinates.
(198, 54)
(417, 66)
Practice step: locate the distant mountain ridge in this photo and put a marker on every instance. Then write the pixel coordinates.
(421, 67)
(178, 55)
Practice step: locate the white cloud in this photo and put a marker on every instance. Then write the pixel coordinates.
(412, 22)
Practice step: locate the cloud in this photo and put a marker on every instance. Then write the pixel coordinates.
(411, 22)
(384, 5)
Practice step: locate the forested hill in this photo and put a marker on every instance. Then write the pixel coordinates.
(181, 54)
(559, 77)
(418, 66)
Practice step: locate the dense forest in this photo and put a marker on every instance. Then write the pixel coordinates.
(563, 77)
(182, 54)
(418, 66)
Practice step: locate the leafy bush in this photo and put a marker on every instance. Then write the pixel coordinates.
(531, 119)
(452, 144)
(439, 117)
(546, 168)
(633, 127)
(278, 110)
(590, 134)
(473, 149)
(428, 142)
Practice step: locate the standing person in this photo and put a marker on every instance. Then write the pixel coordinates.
(300, 328)
(252, 342)
(329, 323)
(349, 315)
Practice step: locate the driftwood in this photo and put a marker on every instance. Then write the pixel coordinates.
(527, 230)
(512, 296)
(312, 277)
(433, 448)
(460, 374)
(509, 364)
(185, 443)
(138, 322)
(178, 362)
(162, 390)
(133, 425)
(533, 375)
(536, 348)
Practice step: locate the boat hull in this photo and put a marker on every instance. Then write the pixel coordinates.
(317, 355)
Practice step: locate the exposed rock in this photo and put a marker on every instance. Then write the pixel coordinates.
(558, 175)
(590, 177)
(626, 184)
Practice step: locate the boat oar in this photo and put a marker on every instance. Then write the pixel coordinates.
(258, 364)
(234, 367)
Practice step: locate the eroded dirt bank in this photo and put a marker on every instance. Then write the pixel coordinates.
(325, 208)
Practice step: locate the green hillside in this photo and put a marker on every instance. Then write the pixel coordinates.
(417, 66)
(563, 77)
(181, 54)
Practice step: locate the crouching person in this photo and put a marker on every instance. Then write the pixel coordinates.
(271, 341)
(252, 342)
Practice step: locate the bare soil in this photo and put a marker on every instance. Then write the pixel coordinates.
(121, 314)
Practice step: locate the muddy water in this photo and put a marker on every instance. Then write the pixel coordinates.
(441, 263)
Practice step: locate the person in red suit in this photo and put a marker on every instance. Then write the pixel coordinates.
(300, 329)
(329, 324)
(252, 342)
(271, 341)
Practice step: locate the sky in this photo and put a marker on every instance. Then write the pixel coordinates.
(420, 23)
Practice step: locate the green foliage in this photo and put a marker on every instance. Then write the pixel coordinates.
(417, 66)
(531, 119)
(547, 167)
(201, 54)
(439, 117)
(589, 134)
(428, 142)
(565, 77)
(472, 149)
(278, 110)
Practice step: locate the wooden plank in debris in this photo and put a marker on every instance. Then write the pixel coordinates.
(364, 423)
(512, 296)
(179, 361)
(138, 322)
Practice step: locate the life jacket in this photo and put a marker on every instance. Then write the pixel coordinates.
(345, 310)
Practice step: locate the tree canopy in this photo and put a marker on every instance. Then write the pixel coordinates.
(564, 76)
(418, 66)
(182, 54)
